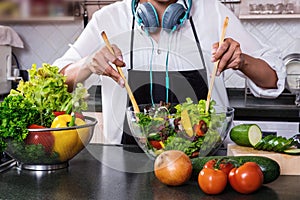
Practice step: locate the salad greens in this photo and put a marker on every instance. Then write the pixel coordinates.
(34, 101)
(16, 113)
(168, 130)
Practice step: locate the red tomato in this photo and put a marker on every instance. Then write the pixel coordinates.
(44, 138)
(156, 144)
(212, 181)
(57, 113)
(200, 129)
(246, 178)
(77, 114)
(222, 165)
(35, 126)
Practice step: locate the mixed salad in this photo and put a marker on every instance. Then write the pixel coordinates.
(37, 103)
(188, 128)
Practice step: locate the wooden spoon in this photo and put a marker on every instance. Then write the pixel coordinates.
(130, 94)
(212, 80)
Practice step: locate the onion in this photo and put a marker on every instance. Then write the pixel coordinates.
(173, 167)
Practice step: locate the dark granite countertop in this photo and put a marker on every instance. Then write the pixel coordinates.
(118, 172)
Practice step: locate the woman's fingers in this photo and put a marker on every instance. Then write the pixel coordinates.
(100, 63)
(229, 55)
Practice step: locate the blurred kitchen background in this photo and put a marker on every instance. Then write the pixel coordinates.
(45, 28)
(48, 27)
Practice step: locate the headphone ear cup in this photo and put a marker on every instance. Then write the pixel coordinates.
(173, 16)
(147, 17)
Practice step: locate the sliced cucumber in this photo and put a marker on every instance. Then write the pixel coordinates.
(274, 143)
(246, 134)
(281, 142)
(154, 136)
(292, 151)
(288, 143)
(259, 145)
(267, 142)
(271, 144)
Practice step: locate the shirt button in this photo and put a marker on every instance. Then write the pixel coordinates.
(158, 51)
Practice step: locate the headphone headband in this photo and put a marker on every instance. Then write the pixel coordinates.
(134, 5)
(174, 15)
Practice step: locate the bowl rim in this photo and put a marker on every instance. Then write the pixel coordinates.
(93, 122)
(228, 111)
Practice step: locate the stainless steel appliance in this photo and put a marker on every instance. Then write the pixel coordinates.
(5, 63)
(8, 73)
(292, 63)
(8, 39)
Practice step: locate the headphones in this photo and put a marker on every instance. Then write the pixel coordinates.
(146, 16)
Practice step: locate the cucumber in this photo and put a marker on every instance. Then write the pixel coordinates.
(269, 142)
(154, 136)
(274, 143)
(288, 143)
(292, 151)
(281, 142)
(260, 144)
(266, 142)
(246, 135)
(269, 167)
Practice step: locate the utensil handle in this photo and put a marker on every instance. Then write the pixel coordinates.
(212, 80)
(130, 94)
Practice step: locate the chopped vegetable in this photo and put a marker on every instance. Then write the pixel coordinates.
(275, 143)
(189, 129)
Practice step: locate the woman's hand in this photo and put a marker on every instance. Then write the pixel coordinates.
(100, 63)
(229, 54)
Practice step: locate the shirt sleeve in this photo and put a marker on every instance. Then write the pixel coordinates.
(86, 44)
(251, 45)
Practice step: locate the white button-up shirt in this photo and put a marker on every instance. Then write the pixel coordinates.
(208, 17)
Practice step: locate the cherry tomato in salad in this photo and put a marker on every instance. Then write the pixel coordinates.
(221, 164)
(247, 178)
(156, 144)
(201, 128)
(212, 181)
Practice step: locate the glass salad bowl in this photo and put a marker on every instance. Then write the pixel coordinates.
(51, 148)
(183, 127)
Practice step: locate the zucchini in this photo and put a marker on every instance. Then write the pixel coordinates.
(247, 135)
(269, 167)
